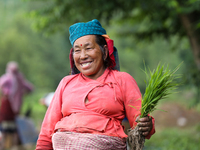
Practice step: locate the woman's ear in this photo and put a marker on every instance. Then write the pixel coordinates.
(105, 52)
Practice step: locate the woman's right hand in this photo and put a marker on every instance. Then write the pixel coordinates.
(145, 124)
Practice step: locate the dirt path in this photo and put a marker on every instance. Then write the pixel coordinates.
(176, 115)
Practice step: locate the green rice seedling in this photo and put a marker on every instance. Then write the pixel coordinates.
(159, 84)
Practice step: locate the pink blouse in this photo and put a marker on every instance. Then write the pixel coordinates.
(97, 106)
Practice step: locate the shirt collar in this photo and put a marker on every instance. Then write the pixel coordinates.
(99, 79)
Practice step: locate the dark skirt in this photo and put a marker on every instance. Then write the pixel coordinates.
(7, 116)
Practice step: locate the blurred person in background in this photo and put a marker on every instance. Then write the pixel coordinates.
(13, 86)
(88, 107)
(46, 99)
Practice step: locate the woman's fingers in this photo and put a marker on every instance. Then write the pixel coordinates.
(145, 125)
(145, 119)
(145, 133)
(145, 130)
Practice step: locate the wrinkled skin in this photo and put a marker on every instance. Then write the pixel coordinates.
(145, 124)
(88, 56)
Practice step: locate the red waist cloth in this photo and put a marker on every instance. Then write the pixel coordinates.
(6, 112)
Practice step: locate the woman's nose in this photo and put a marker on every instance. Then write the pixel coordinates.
(83, 54)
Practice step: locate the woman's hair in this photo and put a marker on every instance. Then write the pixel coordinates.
(100, 40)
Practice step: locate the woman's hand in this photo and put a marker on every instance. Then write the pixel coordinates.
(145, 124)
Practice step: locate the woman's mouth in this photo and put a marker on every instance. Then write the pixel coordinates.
(85, 65)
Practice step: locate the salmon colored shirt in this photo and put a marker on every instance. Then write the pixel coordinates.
(108, 102)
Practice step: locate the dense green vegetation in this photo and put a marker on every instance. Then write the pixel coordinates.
(141, 19)
(44, 59)
(174, 139)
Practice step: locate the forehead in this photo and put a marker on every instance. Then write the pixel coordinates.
(87, 39)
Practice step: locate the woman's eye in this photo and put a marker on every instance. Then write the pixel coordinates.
(88, 48)
(77, 51)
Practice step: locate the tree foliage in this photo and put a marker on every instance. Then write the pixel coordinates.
(162, 16)
(44, 60)
(41, 59)
(141, 19)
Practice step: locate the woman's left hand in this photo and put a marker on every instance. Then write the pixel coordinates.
(145, 124)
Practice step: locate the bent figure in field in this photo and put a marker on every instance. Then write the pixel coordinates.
(12, 88)
(88, 106)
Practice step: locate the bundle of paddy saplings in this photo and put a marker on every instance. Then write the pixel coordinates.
(160, 83)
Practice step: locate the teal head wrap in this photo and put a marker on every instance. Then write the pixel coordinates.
(78, 30)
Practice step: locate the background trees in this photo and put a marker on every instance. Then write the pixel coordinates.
(141, 19)
(42, 59)
(146, 31)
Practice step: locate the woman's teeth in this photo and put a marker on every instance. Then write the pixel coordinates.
(85, 64)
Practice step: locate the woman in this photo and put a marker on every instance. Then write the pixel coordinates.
(88, 107)
(13, 86)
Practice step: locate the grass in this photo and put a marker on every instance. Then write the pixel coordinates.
(159, 84)
(175, 139)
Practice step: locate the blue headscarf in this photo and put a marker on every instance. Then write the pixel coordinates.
(78, 30)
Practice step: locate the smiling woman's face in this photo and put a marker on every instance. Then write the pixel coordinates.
(88, 57)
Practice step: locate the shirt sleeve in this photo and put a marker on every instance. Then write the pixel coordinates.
(132, 101)
(5, 85)
(52, 116)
